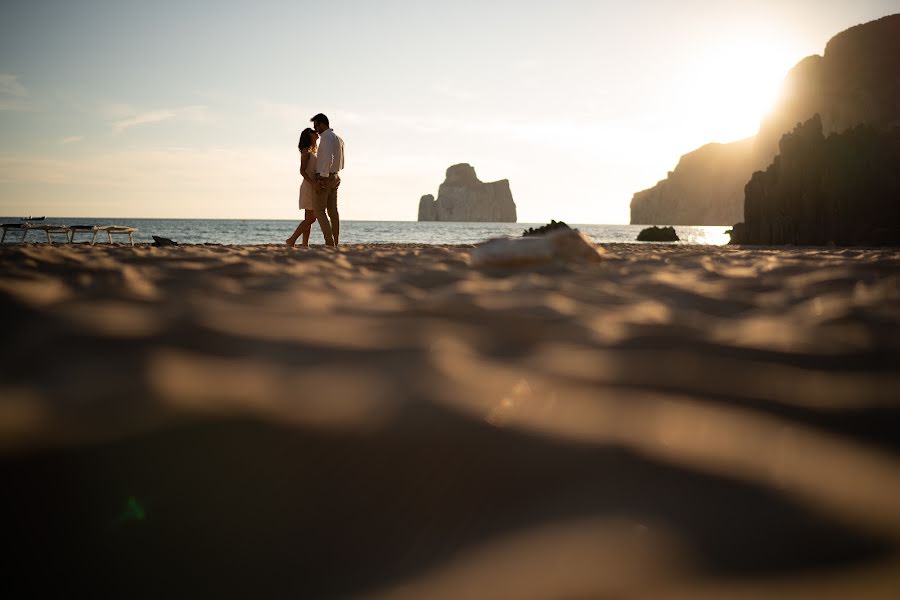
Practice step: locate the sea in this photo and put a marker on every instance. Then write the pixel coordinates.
(240, 232)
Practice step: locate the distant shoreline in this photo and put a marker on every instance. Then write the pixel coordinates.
(242, 232)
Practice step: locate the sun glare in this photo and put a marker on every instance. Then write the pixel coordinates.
(733, 85)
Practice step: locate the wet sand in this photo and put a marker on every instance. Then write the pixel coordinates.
(391, 421)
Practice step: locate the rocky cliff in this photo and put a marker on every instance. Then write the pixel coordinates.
(856, 81)
(463, 197)
(842, 189)
(706, 188)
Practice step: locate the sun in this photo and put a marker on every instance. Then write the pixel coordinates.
(733, 84)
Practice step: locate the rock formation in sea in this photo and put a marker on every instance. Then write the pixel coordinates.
(553, 225)
(427, 208)
(842, 189)
(855, 82)
(463, 197)
(658, 234)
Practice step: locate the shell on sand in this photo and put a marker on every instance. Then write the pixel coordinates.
(567, 245)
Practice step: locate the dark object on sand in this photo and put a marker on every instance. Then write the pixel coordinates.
(658, 234)
(161, 241)
(551, 226)
(738, 233)
(837, 190)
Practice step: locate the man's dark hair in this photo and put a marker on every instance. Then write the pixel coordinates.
(320, 118)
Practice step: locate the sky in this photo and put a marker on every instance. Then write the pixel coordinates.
(193, 109)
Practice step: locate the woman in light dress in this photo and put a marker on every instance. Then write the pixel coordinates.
(307, 147)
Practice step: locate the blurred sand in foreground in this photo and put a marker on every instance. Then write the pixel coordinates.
(390, 421)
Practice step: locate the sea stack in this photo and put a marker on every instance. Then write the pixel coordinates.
(464, 198)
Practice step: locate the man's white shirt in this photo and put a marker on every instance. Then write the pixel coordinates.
(330, 156)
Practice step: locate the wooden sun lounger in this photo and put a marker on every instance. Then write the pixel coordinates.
(69, 231)
(48, 229)
(26, 227)
(118, 229)
(92, 229)
(14, 227)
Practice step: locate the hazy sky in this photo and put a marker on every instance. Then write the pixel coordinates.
(193, 108)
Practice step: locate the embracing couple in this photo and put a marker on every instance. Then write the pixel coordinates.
(320, 167)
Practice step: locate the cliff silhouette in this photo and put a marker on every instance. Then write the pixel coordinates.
(706, 188)
(855, 82)
(841, 189)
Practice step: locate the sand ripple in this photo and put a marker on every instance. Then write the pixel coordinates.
(684, 422)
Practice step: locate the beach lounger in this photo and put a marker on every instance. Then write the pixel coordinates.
(14, 227)
(48, 229)
(119, 229)
(73, 229)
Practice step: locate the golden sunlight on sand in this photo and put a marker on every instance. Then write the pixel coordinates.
(395, 421)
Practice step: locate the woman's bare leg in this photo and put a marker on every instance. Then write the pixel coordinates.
(310, 219)
(302, 229)
(293, 239)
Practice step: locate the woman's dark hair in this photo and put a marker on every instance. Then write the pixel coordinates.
(306, 139)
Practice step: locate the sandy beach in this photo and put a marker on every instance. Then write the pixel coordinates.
(391, 421)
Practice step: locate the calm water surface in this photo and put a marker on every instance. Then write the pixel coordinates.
(228, 231)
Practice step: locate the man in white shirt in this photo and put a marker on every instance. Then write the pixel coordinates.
(329, 162)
